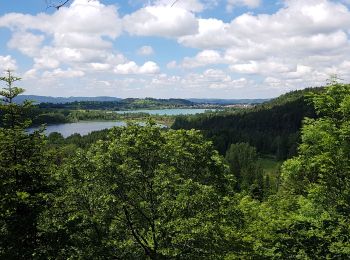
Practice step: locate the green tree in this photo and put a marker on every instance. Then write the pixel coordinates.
(145, 193)
(309, 217)
(320, 176)
(23, 177)
(243, 161)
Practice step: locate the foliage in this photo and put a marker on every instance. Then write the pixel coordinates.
(124, 104)
(321, 174)
(272, 127)
(24, 169)
(243, 161)
(323, 160)
(142, 192)
(145, 192)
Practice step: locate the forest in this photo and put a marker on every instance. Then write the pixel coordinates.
(272, 127)
(124, 104)
(195, 191)
(69, 112)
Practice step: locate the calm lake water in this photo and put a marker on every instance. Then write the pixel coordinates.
(82, 128)
(86, 127)
(168, 112)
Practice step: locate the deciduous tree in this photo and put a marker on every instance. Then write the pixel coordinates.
(146, 192)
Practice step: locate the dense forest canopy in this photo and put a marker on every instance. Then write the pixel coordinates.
(272, 127)
(124, 104)
(143, 192)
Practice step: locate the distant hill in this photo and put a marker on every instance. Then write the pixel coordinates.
(185, 102)
(121, 104)
(214, 101)
(148, 101)
(62, 100)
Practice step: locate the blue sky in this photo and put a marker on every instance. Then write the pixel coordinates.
(196, 48)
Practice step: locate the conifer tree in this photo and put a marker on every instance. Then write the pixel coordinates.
(23, 170)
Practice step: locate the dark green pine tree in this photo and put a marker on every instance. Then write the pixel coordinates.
(23, 176)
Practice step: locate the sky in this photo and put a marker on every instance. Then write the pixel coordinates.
(179, 49)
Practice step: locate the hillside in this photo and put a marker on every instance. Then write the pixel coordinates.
(209, 101)
(62, 100)
(272, 127)
(123, 104)
(214, 101)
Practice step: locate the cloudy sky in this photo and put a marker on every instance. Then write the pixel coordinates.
(193, 48)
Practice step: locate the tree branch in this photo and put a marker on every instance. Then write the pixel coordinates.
(174, 3)
(140, 240)
(57, 6)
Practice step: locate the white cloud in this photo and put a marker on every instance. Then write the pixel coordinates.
(30, 74)
(72, 35)
(296, 19)
(205, 81)
(149, 67)
(59, 73)
(145, 51)
(300, 44)
(27, 43)
(96, 66)
(172, 64)
(78, 40)
(210, 79)
(127, 68)
(163, 21)
(7, 62)
(212, 33)
(82, 16)
(203, 58)
(268, 67)
(131, 67)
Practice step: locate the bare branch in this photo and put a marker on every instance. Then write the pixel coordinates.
(57, 5)
(174, 3)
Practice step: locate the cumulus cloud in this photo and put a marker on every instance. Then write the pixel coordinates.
(72, 35)
(262, 68)
(82, 16)
(7, 63)
(172, 64)
(131, 67)
(213, 79)
(208, 79)
(203, 58)
(145, 50)
(163, 21)
(212, 33)
(299, 44)
(27, 43)
(296, 19)
(59, 73)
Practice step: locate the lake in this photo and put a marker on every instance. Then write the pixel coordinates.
(168, 112)
(86, 127)
(82, 128)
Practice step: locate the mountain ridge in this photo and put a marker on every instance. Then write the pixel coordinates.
(62, 100)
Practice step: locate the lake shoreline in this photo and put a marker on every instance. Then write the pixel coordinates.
(163, 117)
